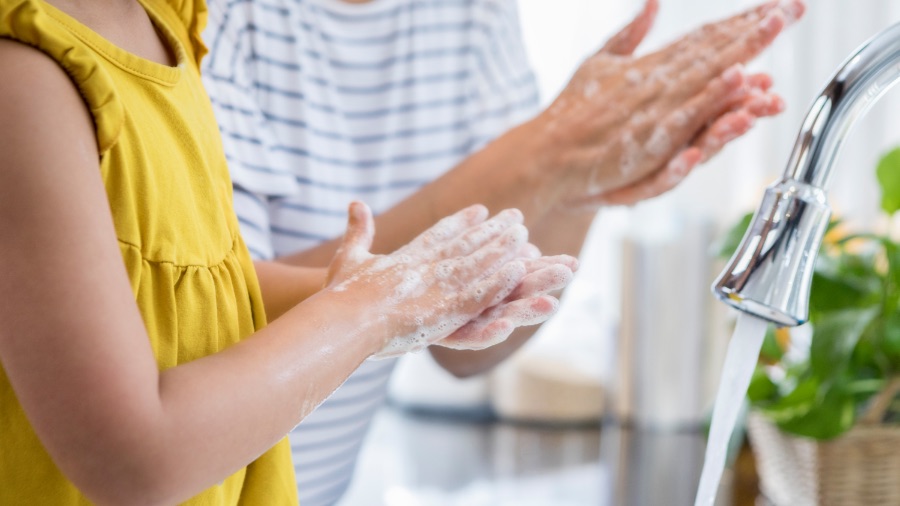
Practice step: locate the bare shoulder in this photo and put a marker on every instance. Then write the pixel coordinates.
(36, 94)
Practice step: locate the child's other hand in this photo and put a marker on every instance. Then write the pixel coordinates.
(439, 282)
(530, 303)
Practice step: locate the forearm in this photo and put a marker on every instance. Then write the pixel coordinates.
(285, 286)
(215, 415)
(510, 172)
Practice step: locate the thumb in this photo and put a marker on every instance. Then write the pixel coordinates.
(627, 40)
(358, 237)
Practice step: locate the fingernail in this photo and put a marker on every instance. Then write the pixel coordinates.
(514, 215)
(774, 21)
(778, 105)
(476, 211)
(679, 167)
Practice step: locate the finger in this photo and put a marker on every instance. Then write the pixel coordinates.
(762, 105)
(724, 130)
(529, 252)
(543, 281)
(496, 324)
(760, 81)
(705, 40)
(738, 50)
(627, 40)
(477, 236)
(755, 96)
(683, 124)
(530, 311)
(688, 65)
(657, 138)
(494, 289)
(652, 186)
(719, 34)
(793, 10)
(429, 243)
(479, 334)
(490, 257)
(543, 262)
(358, 238)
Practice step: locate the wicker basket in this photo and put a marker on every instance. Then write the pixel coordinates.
(859, 468)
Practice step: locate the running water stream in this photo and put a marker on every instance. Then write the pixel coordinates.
(740, 361)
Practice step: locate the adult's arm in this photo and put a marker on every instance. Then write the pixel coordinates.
(624, 130)
(623, 124)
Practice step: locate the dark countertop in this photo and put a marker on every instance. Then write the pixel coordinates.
(426, 460)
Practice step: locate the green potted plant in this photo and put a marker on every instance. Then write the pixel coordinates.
(825, 416)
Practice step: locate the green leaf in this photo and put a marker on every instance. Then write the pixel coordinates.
(762, 388)
(830, 417)
(795, 404)
(892, 283)
(771, 351)
(834, 291)
(888, 172)
(835, 335)
(729, 243)
(890, 342)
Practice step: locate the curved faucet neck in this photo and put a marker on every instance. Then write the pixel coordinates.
(770, 274)
(862, 79)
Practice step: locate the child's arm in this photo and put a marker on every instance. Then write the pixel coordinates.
(76, 352)
(284, 286)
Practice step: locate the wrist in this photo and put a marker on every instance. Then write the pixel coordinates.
(538, 158)
(351, 318)
(541, 149)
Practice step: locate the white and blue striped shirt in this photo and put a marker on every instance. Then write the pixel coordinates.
(321, 102)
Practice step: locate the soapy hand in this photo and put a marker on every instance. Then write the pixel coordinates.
(630, 128)
(452, 273)
(530, 303)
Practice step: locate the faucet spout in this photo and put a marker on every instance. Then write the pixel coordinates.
(770, 274)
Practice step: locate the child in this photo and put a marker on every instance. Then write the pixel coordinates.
(127, 375)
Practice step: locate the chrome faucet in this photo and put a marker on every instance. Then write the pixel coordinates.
(770, 274)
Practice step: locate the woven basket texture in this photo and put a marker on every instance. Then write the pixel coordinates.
(859, 468)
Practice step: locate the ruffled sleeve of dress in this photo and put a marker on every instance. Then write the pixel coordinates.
(29, 22)
(193, 15)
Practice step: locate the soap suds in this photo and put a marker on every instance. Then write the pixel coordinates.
(660, 142)
(591, 89)
(632, 154)
(634, 76)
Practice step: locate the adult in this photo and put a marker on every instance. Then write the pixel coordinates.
(422, 107)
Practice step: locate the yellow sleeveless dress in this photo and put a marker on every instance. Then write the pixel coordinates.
(170, 197)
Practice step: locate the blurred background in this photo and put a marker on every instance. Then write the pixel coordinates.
(607, 404)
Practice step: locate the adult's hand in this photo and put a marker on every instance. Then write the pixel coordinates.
(628, 128)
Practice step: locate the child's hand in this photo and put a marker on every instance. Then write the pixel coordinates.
(440, 281)
(529, 304)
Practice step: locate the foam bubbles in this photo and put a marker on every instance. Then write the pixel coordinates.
(591, 89)
(634, 77)
(660, 142)
(631, 156)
